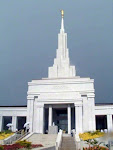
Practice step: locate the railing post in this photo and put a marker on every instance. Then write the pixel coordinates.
(58, 140)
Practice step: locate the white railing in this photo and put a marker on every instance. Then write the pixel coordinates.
(59, 139)
(77, 141)
(15, 137)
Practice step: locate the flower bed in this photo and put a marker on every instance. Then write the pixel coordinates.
(20, 145)
(91, 135)
(5, 134)
(96, 148)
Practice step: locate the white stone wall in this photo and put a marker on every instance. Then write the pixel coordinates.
(14, 112)
(82, 110)
(108, 111)
(65, 91)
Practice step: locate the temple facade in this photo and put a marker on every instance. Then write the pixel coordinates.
(63, 99)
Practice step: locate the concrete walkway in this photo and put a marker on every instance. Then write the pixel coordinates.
(68, 143)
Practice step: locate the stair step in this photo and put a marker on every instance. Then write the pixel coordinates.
(68, 143)
(44, 139)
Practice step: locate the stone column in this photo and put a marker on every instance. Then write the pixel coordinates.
(109, 123)
(30, 112)
(14, 122)
(69, 119)
(73, 119)
(50, 116)
(91, 112)
(78, 118)
(40, 118)
(1, 123)
(85, 113)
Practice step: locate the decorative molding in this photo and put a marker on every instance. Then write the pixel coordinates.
(40, 105)
(79, 104)
(91, 95)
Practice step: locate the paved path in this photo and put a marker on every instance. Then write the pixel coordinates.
(68, 143)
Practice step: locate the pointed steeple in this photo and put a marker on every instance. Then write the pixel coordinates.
(62, 25)
(62, 21)
(61, 67)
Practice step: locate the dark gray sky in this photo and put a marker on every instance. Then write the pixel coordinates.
(28, 43)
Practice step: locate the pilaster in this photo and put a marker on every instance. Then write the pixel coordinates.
(14, 122)
(91, 112)
(1, 123)
(78, 118)
(109, 123)
(40, 118)
(30, 112)
(85, 113)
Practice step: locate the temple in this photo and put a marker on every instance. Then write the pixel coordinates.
(61, 101)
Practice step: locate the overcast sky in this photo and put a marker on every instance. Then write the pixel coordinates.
(28, 43)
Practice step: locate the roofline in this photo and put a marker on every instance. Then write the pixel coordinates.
(96, 104)
(100, 104)
(15, 106)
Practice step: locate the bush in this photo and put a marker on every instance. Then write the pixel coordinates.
(21, 145)
(91, 135)
(1, 147)
(12, 147)
(95, 148)
(24, 143)
(7, 131)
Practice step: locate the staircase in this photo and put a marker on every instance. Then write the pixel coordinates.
(47, 140)
(68, 143)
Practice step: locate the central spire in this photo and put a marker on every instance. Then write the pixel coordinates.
(61, 67)
(62, 21)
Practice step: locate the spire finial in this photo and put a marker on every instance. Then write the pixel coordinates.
(62, 13)
(62, 21)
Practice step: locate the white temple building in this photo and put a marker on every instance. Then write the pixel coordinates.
(63, 99)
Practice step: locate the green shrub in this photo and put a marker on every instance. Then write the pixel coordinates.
(1, 147)
(24, 143)
(96, 132)
(7, 131)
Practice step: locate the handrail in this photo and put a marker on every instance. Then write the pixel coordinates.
(15, 137)
(59, 139)
(22, 136)
(77, 141)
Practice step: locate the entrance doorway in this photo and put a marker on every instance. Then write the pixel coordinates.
(60, 119)
(101, 122)
(20, 122)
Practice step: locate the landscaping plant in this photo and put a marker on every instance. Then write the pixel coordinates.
(91, 135)
(96, 148)
(94, 142)
(24, 143)
(20, 145)
(5, 134)
(1, 147)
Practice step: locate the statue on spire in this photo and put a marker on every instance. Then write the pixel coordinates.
(62, 13)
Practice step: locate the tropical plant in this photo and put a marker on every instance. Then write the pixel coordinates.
(24, 143)
(93, 142)
(1, 147)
